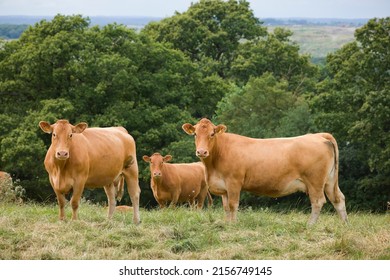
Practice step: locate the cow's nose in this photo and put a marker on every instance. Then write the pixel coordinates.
(202, 153)
(62, 154)
(157, 174)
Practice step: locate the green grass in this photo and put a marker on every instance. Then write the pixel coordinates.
(31, 231)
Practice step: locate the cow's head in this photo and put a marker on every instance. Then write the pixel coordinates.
(62, 134)
(205, 133)
(156, 162)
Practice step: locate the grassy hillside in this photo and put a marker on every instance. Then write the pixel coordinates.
(31, 231)
(319, 40)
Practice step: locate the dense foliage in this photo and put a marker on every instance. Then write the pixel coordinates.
(215, 60)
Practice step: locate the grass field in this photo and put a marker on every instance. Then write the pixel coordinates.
(318, 41)
(32, 231)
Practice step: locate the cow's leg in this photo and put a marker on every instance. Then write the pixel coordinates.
(61, 204)
(201, 197)
(225, 205)
(131, 175)
(317, 200)
(60, 199)
(337, 198)
(161, 203)
(192, 203)
(75, 200)
(175, 199)
(233, 202)
(110, 192)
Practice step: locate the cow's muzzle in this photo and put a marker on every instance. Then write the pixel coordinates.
(202, 153)
(62, 155)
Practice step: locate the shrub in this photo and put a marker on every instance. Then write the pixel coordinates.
(11, 192)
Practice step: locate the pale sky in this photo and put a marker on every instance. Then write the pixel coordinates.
(160, 8)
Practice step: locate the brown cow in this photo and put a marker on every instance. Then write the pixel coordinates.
(91, 157)
(180, 182)
(272, 167)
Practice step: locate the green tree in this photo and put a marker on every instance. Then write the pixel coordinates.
(35, 66)
(264, 108)
(275, 53)
(210, 31)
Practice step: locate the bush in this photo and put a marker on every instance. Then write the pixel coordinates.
(11, 192)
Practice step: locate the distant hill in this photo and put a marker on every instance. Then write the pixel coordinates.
(96, 20)
(142, 21)
(12, 26)
(315, 36)
(356, 22)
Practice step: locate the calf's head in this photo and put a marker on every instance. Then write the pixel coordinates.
(62, 133)
(205, 133)
(156, 163)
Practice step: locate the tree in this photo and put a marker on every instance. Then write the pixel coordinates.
(209, 32)
(276, 54)
(264, 108)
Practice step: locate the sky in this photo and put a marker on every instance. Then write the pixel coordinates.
(161, 8)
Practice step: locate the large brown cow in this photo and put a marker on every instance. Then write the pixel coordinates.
(91, 157)
(272, 167)
(179, 182)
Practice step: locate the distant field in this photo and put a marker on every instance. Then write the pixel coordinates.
(315, 39)
(320, 40)
(31, 231)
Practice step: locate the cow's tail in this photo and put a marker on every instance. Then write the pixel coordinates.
(209, 199)
(335, 170)
(119, 187)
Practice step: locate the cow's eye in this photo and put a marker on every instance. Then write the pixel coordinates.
(212, 134)
(71, 135)
(54, 135)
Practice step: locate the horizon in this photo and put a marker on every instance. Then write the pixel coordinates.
(140, 21)
(328, 9)
(146, 16)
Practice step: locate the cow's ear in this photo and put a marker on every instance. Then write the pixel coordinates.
(220, 128)
(78, 128)
(146, 158)
(167, 158)
(46, 127)
(188, 128)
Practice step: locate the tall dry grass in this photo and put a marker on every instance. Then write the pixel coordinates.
(32, 231)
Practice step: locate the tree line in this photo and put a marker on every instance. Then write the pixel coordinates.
(12, 31)
(215, 60)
